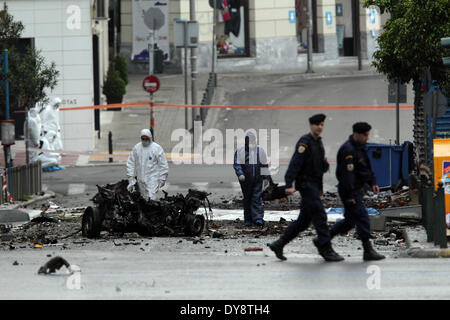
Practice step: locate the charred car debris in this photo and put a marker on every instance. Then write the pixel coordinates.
(118, 211)
(274, 191)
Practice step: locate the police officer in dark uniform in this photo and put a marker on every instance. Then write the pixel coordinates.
(353, 172)
(306, 168)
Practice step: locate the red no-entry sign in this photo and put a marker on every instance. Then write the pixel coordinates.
(150, 84)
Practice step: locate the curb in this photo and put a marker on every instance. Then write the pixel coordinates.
(97, 164)
(49, 194)
(418, 252)
(331, 75)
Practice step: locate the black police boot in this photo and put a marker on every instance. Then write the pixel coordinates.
(327, 252)
(369, 253)
(277, 247)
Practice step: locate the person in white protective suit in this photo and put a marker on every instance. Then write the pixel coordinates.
(49, 159)
(34, 132)
(147, 166)
(50, 121)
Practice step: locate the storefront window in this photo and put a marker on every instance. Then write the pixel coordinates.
(301, 9)
(232, 29)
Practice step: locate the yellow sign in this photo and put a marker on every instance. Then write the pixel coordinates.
(441, 155)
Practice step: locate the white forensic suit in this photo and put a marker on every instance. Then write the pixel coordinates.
(50, 121)
(147, 165)
(34, 132)
(49, 159)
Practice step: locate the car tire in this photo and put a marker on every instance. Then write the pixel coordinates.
(91, 224)
(195, 225)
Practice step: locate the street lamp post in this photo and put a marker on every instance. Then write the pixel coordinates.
(193, 66)
(309, 33)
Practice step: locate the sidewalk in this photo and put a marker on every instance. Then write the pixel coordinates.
(18, 155)
(125, 125)
(418, 247)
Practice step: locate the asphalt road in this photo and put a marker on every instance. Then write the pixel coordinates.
(167, 268)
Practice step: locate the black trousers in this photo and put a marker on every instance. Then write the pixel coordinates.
(311, 210)
(354, 215)
(253, 204)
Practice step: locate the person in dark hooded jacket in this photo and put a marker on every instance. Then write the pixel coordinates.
(252, 170)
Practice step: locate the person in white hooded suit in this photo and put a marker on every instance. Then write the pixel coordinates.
(50, 121)
(34, 132)
(147, 166)
(49, 159)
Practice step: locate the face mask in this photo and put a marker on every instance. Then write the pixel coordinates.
(145, 143)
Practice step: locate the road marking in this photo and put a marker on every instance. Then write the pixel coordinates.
(236, 185)
(200, 185)
(170, 187)
(76, 188)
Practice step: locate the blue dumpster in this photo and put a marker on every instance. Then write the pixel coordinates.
(391, 163)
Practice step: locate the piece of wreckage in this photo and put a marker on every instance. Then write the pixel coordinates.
(118, 211)
(273, 191)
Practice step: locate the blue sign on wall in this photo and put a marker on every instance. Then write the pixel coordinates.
(328, 17)
(372, 15)
(339, 10)
(291, 16)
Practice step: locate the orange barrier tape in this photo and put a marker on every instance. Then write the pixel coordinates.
(267, 107)
(73, 153)
(170, 156)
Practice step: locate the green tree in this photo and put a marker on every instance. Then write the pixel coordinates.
(10, 30)
(120, 65)
(409, 43)
(29, 75)
(411, 39)
(114, 87)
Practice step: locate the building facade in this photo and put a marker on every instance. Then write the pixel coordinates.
(259, 34)
(65, 32)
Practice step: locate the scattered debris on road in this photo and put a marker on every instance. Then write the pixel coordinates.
(253, 249)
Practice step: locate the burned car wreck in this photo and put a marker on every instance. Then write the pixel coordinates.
(119, 211)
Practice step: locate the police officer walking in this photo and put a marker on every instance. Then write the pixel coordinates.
(306, 168)
(353, 172)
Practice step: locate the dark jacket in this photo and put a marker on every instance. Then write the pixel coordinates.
(252, 163)
(353, 168)
(308, 162)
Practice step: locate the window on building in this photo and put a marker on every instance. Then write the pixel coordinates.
(232, 33)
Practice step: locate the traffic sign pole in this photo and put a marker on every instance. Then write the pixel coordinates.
(186, 98)
(151, 85)
(152, 119)
(434, 111)
(7, 148)
(397, 114)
